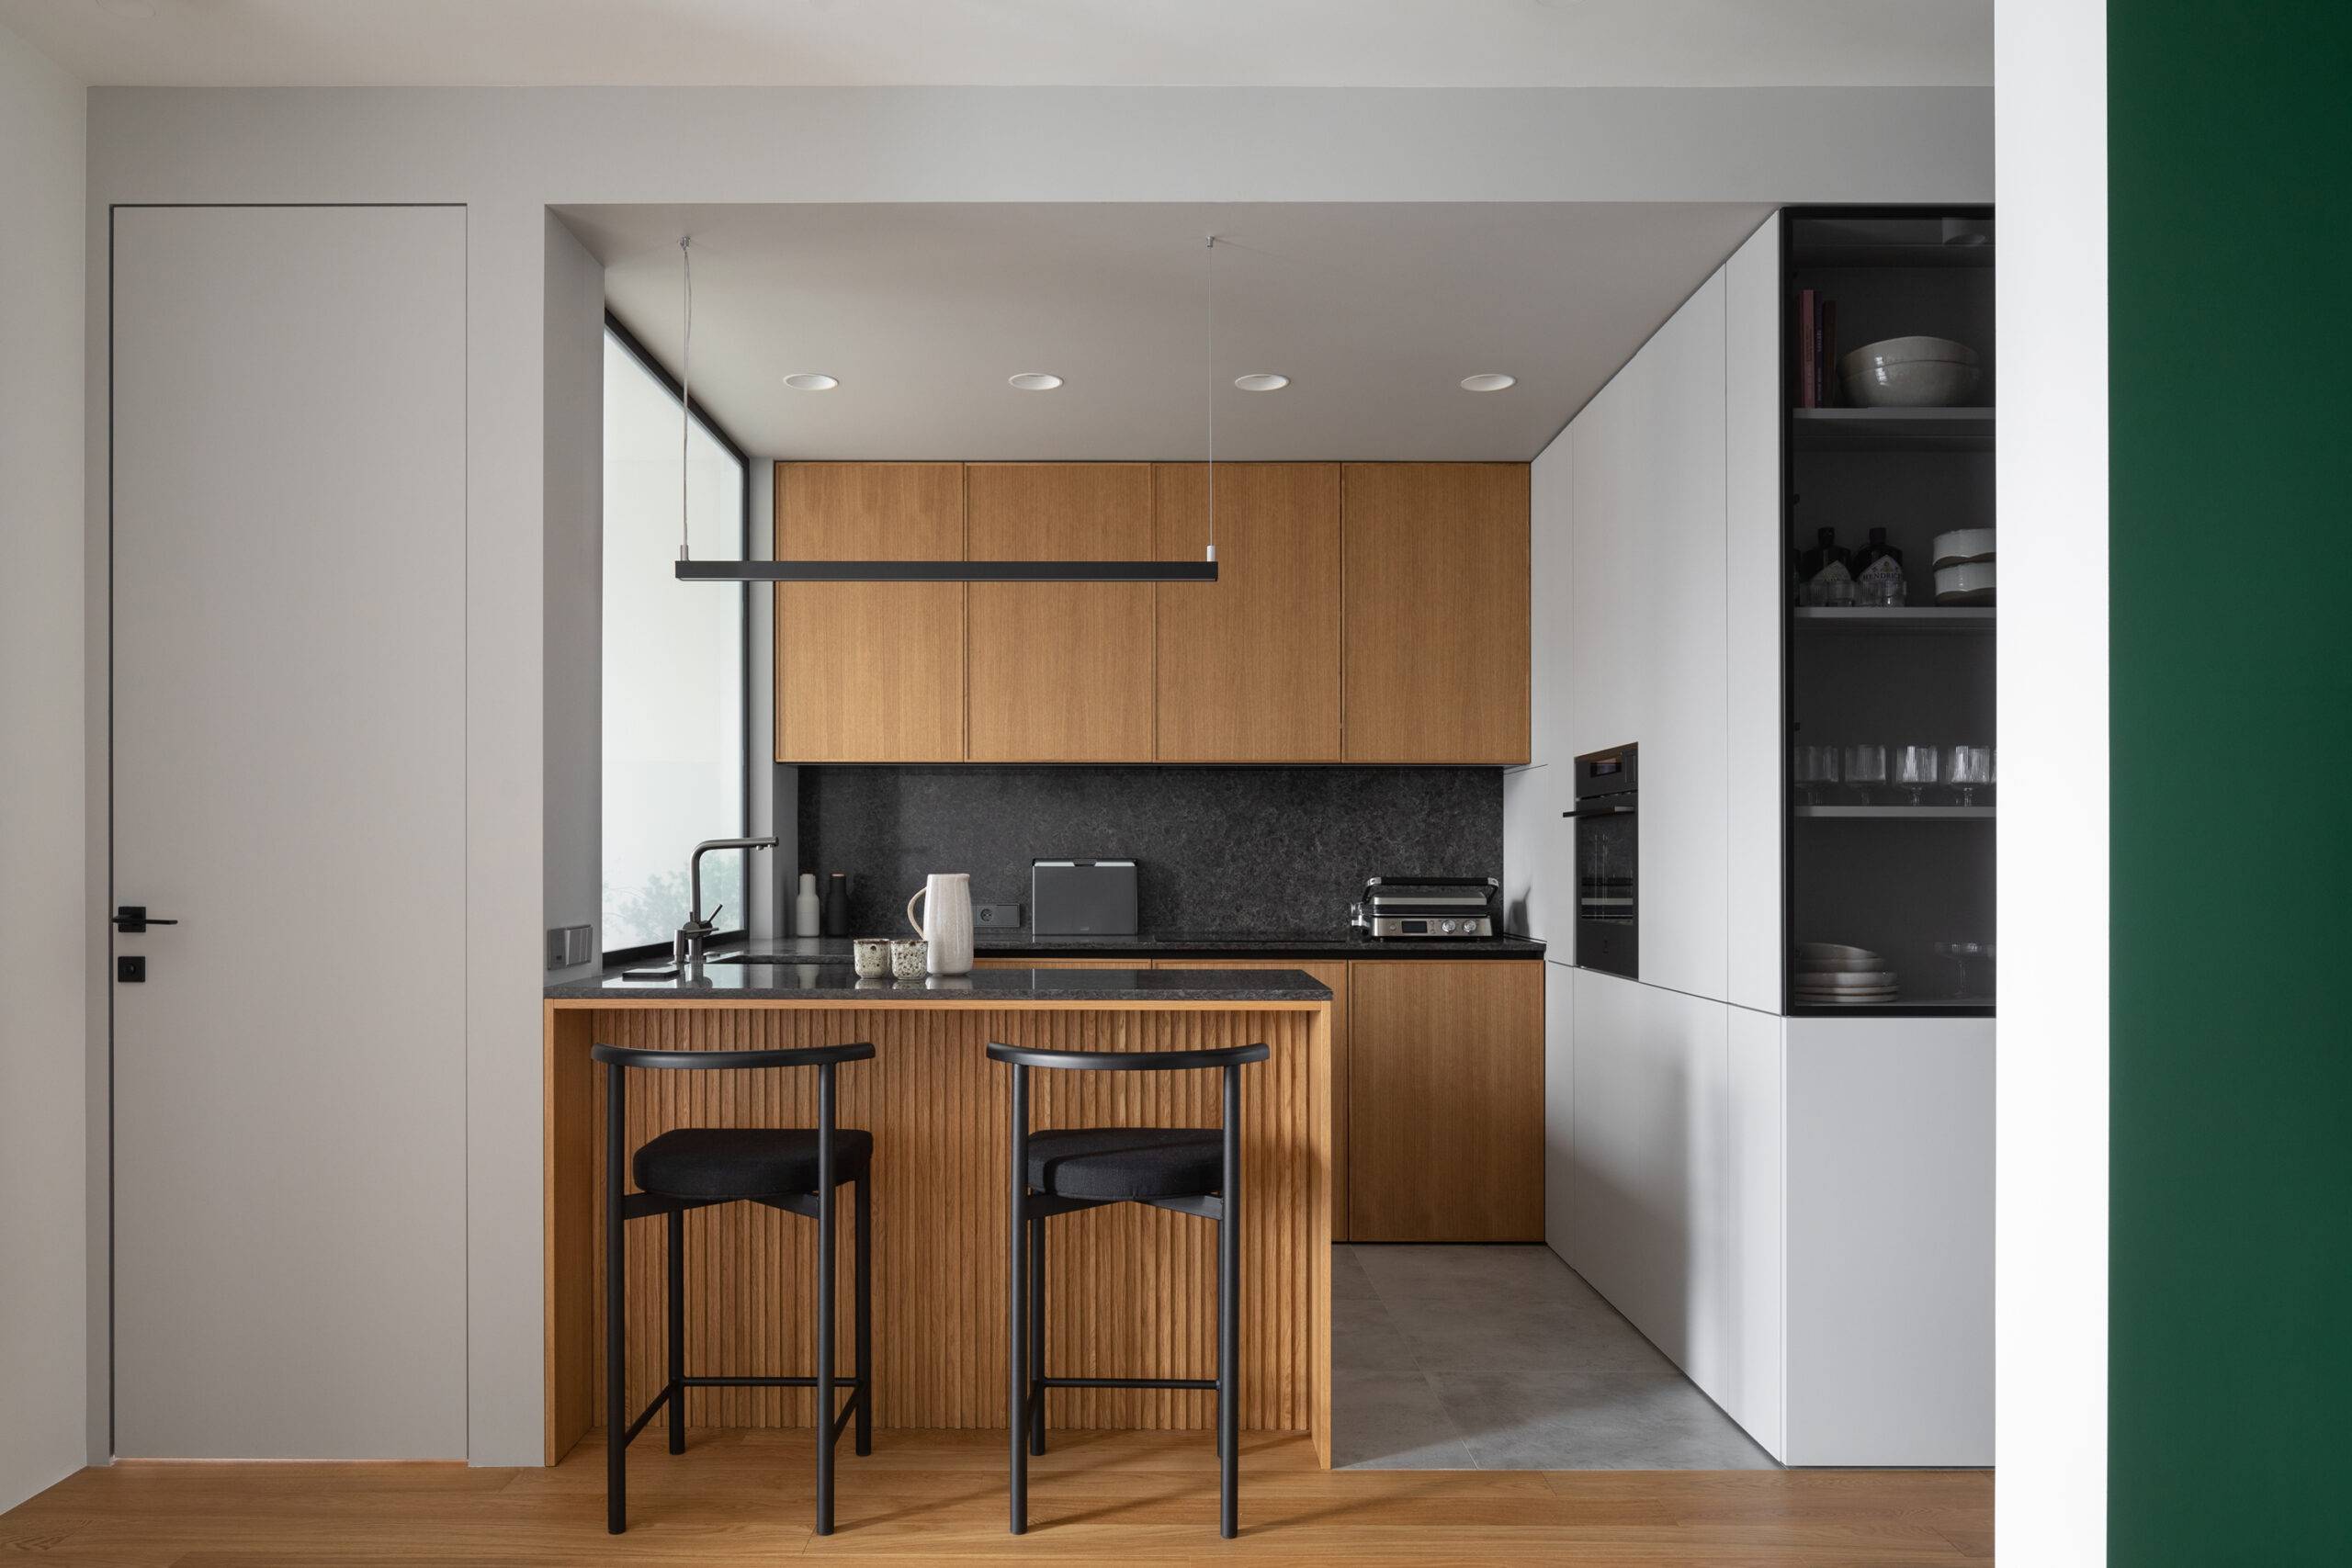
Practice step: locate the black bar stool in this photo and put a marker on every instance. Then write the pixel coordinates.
(795, 1169)
(1188, 1170)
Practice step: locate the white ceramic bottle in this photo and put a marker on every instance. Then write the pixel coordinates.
(806, 913)
(946, 925)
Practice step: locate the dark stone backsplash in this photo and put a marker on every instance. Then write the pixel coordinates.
(1273, 850)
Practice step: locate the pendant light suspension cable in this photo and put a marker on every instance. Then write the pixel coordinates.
(686, 393)
(1209, 273)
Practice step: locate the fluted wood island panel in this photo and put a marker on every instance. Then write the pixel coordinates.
(1133, 1289)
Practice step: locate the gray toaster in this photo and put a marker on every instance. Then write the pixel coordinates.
(1082, 897)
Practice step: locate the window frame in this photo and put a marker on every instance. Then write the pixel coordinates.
(619, 329)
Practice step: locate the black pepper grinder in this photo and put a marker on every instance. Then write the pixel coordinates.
(835, 919)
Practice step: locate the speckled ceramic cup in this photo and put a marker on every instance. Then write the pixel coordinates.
(909, 958)
(872, 956)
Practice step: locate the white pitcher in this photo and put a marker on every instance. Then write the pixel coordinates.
(946, 899)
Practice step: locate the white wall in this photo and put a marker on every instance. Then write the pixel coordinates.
(44, 1331)
(508, 154)
(574, 425)
(2051, 1303)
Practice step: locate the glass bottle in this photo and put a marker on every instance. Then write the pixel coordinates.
(1878, 572)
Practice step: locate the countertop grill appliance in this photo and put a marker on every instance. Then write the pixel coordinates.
(1607, 863)
(1427, 906)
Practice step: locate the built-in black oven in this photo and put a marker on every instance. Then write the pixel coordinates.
(1607, 863)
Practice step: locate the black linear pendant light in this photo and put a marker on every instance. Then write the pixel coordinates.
(691, 570)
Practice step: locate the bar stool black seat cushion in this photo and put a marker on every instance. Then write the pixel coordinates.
(746, 1162)
(1127, 1162)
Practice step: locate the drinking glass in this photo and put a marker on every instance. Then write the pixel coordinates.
(1885, 590)
(1915, 770)
(1969, 769)
(1866, 768)
(1816, 769)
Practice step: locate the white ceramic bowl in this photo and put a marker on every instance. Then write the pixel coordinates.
(1905, 351)
(1913, 384)
(1909, 373)
(1965, 547)
(1966, 584)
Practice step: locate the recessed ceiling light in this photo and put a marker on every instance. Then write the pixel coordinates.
(811, 381)
(1488, 381)
(1261, 381)
(1035, 381)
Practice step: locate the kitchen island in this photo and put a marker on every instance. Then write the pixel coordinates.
(1132, 1288)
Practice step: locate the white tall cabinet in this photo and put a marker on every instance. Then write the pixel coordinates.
(1797, 1212)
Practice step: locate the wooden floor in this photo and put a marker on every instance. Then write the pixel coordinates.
(742, 1497)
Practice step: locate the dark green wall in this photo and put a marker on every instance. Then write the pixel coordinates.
(2229, 148)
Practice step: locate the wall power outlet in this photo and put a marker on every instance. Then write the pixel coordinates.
(996, 915)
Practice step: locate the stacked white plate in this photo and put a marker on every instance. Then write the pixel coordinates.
(1830, 971)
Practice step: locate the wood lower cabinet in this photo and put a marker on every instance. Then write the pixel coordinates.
(1434, 568)
(1333, 973)
(1061, 671)
(1248, 667)
(869, 671)
(1445, 1100)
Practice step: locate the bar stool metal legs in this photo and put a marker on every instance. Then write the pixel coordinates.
(774, 1185)
(1188, 1171)
(1228, 1316)
(1017, 1411)
(1036, 1405)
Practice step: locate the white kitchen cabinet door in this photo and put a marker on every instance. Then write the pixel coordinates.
(1559, 1108)
(1648, 640)
(1550, 487)
(1648, 1216)
(1889, 1158)
(1756, 1379)
(1539, 898)
(1755, 579)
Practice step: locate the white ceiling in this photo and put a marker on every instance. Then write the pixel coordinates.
(1375, 311)
(1410, 43)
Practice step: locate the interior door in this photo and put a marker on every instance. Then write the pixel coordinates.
(288, 498)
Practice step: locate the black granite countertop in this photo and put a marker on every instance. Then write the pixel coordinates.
(818, 970)
(1342, 943)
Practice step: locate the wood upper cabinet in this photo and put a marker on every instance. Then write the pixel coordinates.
(1061, 671)
(1248, 667)
(1445, 1100)
(1365, 613)
(869, 671)
(1436, 600)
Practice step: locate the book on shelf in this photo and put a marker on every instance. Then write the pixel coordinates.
(1805, 346)
(1824, 358)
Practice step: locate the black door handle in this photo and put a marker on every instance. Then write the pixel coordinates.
(135, 917)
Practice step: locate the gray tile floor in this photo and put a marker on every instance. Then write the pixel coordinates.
(1502, 1358)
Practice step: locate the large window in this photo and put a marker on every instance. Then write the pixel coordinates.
(674, 661)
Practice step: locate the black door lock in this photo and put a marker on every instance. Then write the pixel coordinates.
(130, 970)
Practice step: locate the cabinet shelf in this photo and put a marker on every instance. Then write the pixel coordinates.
(1891, 430)
(1901, 1006)
(1894, 813)
(1908, 619)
